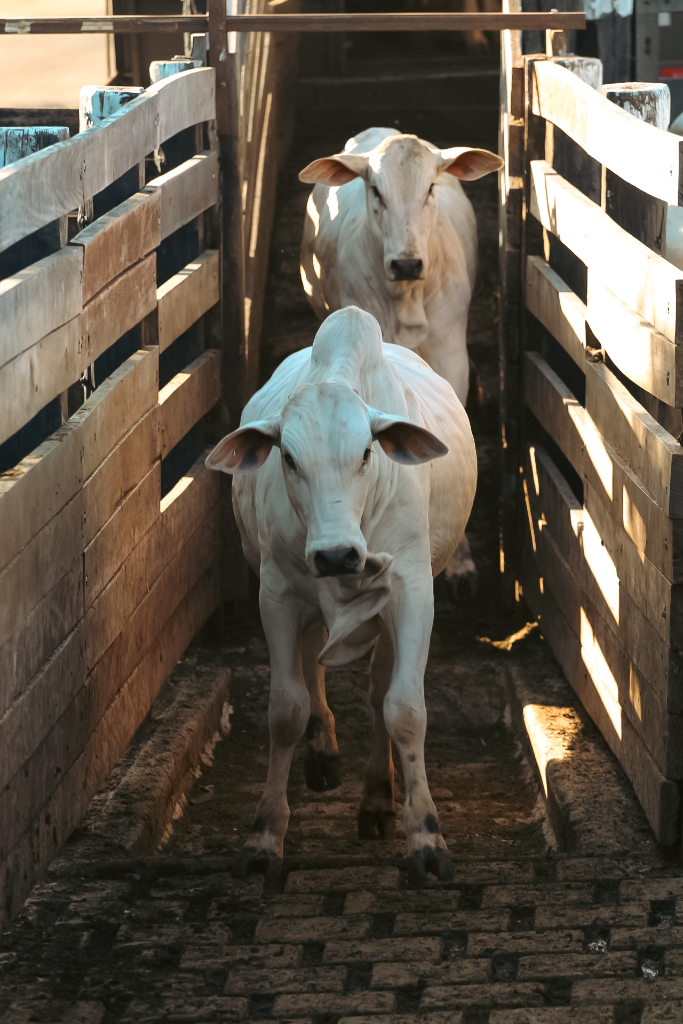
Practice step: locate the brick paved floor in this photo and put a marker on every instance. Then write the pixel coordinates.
(548, 940)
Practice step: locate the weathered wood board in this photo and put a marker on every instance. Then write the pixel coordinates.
(186, 191)
(186, 296)
(118, 239)
(557, 307)
(555, 407)
(188, 397)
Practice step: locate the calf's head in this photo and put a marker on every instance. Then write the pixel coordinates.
(402, 175)
(325, 434)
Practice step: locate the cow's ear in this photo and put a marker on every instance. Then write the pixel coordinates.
(469, 164)
(404, 441)
(334, 170)
(246, 448)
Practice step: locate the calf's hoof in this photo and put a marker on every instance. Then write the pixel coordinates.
(429, 858)
(372, 824)
(321, 771)
(250, 859)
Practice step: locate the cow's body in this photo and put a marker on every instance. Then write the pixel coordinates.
(389, 228)
(396, 520)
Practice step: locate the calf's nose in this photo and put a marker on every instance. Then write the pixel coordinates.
(336, 562)
(407, 270)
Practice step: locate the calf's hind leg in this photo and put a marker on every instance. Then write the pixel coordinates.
(322, 768)
(377, 812)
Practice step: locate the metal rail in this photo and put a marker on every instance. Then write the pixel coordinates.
(300, 23)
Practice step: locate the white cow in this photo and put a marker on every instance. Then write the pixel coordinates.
(346, 525)
(389, 228)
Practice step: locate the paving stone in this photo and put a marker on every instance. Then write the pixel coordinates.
(493, 872)
(337, 952)
(454, 972)
(561, 941)
(469, 920)
(578, 965)
(320, 1003)
(613, 990)
(662, 1014)
(402, 902)
(578, 869)
(23, 1011)
(131, 939)
(557, 893)
(673, 961)
(312, 929)
(503, 995)
(554, 1015)
(296, 906)
(638, 938)
(198, 1010)
(201, 956)
(651, 889)
(448, 1017)
(342, 880)
(272, 982)
(577, 916)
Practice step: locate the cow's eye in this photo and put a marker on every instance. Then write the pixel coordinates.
(366, 455)
(290, 461)
(375, 192)
(431, 190)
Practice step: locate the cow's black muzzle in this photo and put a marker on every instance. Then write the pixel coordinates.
(336, 562)
(407, 270)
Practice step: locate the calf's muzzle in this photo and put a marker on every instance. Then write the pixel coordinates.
(336, 562)
(406, 270)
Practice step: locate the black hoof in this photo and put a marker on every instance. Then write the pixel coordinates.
(374, 823)
(251, 859)
(322, 771)
(429, 858)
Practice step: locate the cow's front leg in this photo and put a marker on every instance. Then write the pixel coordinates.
(377, 812)
(288, 711)
(409, 616)
(461, 573)
(322, 768)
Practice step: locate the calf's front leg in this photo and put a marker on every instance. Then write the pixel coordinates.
(322, 768)
(288, 713)
(408, 616)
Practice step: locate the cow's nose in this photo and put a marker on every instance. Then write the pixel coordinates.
(337, 562)
(407, 270)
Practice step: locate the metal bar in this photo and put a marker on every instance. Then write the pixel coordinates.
(302, 23)
(109, 23)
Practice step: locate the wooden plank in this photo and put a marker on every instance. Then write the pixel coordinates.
(49, 367)
(660, 601)
(183, 100)
(119, 239)
(658, 796)
(43, 740)
(27, 859)
(187, 397)
(37, 300)
(186, 296)
(551, 504)
(42, 483)
(640, 351)
(186, 191)
(646, 157)
(46, 185)
(557, 307)
(118, 307)
(653, 455)
(554, 406)
(645, 281)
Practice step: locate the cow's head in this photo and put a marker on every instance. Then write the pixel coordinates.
(325, 434)
(402, 175)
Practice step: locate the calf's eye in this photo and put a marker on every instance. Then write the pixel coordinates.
(290, 461)
(431, 190)
(366, 455)
(375, 192)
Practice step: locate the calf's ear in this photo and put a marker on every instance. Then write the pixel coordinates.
(334, 170)
(404, 441)
(469, 164)
(246, 448)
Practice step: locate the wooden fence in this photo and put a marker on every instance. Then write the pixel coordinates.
(592, 375)
(116, 543)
